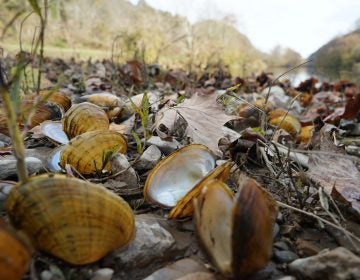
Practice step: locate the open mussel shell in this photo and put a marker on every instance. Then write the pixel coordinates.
(74, 220)
(43, 112)
(184, 207)
(91, 152)
(15, 253)
(50, 96)
(177, 174)
(84, 117)
(54, 131)
(237, 233)
(53, 160)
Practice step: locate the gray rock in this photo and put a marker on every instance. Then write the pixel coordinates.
(337, 264)
(167, 147)
(46, 275)
(8, 166)
(177, 269)
(103, 274)
(5, 188)
(282, 246)
(152, 243)
(149, 158)
(2, 144)
(128, 176)
(287, 277)
(285, 256)
(5, 139)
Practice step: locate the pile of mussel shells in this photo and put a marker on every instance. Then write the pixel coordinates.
(80, 222)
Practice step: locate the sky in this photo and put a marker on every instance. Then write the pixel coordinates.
(303, 25)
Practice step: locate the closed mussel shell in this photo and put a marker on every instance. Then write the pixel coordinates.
(15, 253)
(90, 152)
(74, 220)
(84, 117)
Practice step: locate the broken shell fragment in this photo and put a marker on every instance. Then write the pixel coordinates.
(237, 234)
(91, 152)
(177, 174)
(84, 117)
(74, 220)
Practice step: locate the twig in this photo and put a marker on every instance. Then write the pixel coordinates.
(14, 131)
(281, 204)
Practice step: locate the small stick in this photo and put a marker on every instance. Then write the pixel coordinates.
(322, 220)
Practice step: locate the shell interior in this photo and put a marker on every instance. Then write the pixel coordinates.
(184, 207)
(54, 130)
(53, 160)
(213, 215)
(177, 174)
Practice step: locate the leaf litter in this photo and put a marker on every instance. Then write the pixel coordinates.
(292, 169)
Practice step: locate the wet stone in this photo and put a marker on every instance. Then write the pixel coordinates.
(8, 166)
(167, 147)
(149, 158)
(103, 274)
(285, 256)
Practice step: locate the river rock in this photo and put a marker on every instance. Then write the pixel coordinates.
(128, 176)
(152, 244)
(167, 147)
(285, 256)
(103, 274)
(5, 188)
(337, 264)
(149, 158)
(8, 166)
(177, 269)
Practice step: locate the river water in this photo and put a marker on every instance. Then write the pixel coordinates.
(301, 74)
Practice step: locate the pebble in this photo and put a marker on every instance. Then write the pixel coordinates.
(103, 274)
(119, 163)
(149, 158)
(152, 243)
(276, 230)
(337, 264)
(285, 256)
(8, 166)
(281, 246)
(166, 147)
(177, 269)
(46, 275)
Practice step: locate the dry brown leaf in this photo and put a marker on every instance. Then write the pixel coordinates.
(204, 118)
(336, 173)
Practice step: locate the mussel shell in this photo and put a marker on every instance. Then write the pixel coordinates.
(74, 220)
(178, 173)
(254, 218)
(15, 254)
(54, 131)
(184, 207)
(3, 124)
(84, 117)
(89, 152)
(43, 112)
(237, 233)
(214, 224)
(53, 160)
(55, 97)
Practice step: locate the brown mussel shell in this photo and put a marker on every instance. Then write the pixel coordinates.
(84, 117)
(15, 253)
(91, 152)
(73, 220)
